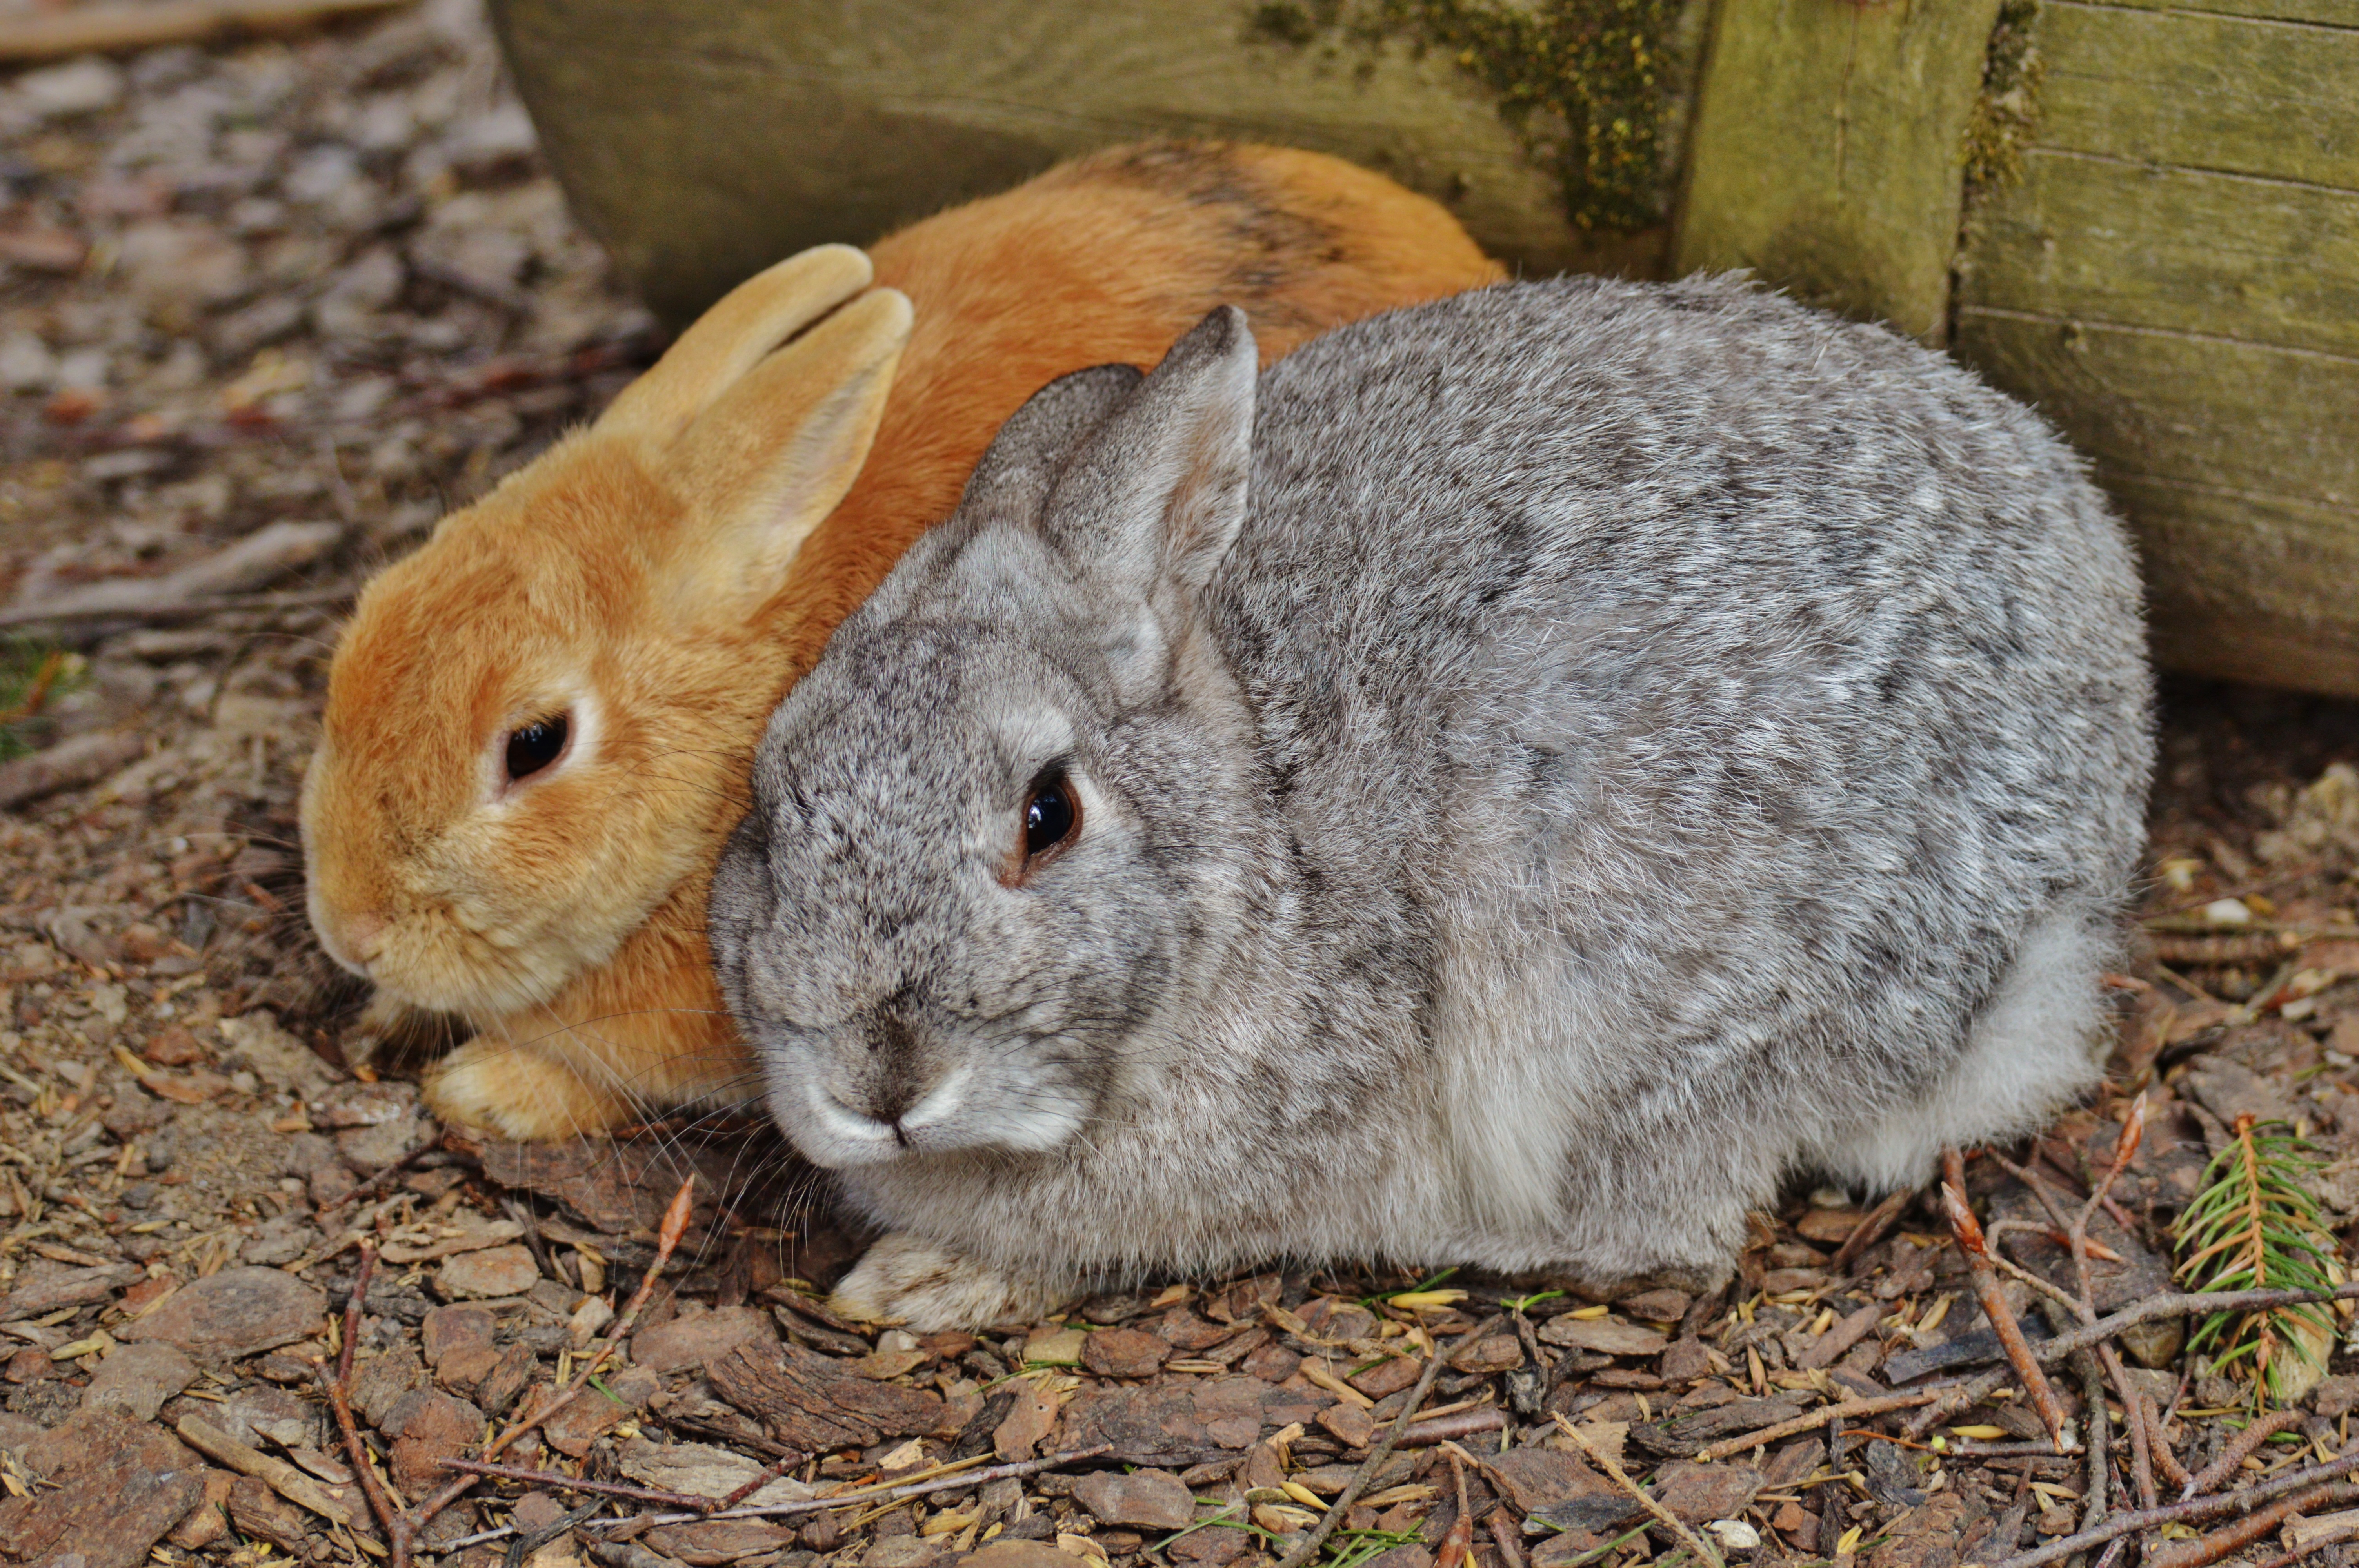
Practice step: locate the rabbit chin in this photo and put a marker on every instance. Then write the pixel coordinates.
(957, 1114)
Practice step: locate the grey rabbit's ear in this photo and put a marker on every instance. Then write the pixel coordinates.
(1033, 445)
(1154, 498)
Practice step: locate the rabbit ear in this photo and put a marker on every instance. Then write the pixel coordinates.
(1151, 501)
(766, 463)
(731, 338)
(1033, 447)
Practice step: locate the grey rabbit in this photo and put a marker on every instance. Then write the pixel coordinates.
(1508, 787)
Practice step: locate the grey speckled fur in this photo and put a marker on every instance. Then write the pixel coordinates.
(1624, 746)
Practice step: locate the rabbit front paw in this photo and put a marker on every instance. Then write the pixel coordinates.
(517, 1093)
(905, 1279)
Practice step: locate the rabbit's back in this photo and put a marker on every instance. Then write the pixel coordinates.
(1767, 681)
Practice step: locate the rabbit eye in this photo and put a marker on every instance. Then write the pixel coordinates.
(535, 746)
(1051, 815)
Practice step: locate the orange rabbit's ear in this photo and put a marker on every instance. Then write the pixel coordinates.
(731, 338)
(766, 464)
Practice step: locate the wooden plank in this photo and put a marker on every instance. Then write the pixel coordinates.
(2272, 261)
(2233, 462)
(704, 138)
(2317, 13)
(2234, 415)
(2207, 91)
(1826, 151)
(2255, 612)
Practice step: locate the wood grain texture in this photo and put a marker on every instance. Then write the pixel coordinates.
(2175, 280)
(2318, 13)
(2232, 256)
(702, 140)
(1826, 152)
(2236, 94)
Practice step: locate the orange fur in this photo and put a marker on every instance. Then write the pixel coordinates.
(568, 929)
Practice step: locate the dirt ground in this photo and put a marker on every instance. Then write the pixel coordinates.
(266, 311)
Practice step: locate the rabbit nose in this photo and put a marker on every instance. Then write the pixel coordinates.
(364, 935)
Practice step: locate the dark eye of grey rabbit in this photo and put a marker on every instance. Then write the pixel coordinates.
(1051, 816)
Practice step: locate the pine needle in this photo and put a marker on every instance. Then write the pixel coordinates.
(2254, 1226)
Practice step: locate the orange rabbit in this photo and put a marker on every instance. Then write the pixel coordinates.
(537, 726)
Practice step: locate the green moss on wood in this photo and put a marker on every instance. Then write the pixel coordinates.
(2006, 112)
(1588, 86)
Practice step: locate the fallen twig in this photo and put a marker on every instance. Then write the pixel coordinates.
(389, 1517)
(1985, 1276)
(2181, 1304)
(2209, 1549)
(1621, 1478)
(88, 29)
(2164, 1459)
(2240, 1448)
(1443, 1428)
(277, 1474)
(2178, 1513)
(1871, 1231)
(668, 1235)
(1849, 1409)
(580, 1483)
(884, 1495)
(536, 1539)
(1308, 1547)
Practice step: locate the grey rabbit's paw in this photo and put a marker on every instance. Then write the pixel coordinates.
(1509, 787)
(907, 1280)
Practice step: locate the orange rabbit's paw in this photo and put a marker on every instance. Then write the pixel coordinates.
(519, 1093)
(905, 1279)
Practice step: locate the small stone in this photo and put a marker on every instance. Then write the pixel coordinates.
(1028, 1420)
(380, 1381)
(435, 1428)
(587, 1321)
(1538, 1479)
(1154, 1499)
(138, 1378)
(1388, 1377)
(209, 1520)
(2335, 1396)
(580, 1423)
(237, 1313)
(1603, 1335)
(449, 1328)
(1350, 1423)
(1828, 1226)
(495, 1271)
(701, 1339)
(1684, 1360)
(173, 1047)
(506, 1380)
(118, 1485)
(1659, 1306)
(719, 1540)
(1499, 1353)
(1017, 1555)
(278, 1241)
(1695, 1492)
(1125, 1353)
(30, 1365)
(262, 1514)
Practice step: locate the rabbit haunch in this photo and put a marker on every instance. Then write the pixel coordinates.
(1551, 765)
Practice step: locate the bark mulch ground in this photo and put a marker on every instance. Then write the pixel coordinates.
(266, 310)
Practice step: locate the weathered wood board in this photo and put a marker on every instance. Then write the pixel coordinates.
(702, 140)
(1824, 152)
(2174, 278)
(2140, 215)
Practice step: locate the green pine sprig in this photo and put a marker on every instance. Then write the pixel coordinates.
(2254, 1226)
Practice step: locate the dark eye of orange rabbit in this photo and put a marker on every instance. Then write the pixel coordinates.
(535, 745)
(1050, 816)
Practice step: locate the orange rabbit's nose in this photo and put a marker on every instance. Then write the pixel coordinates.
(364, 934)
